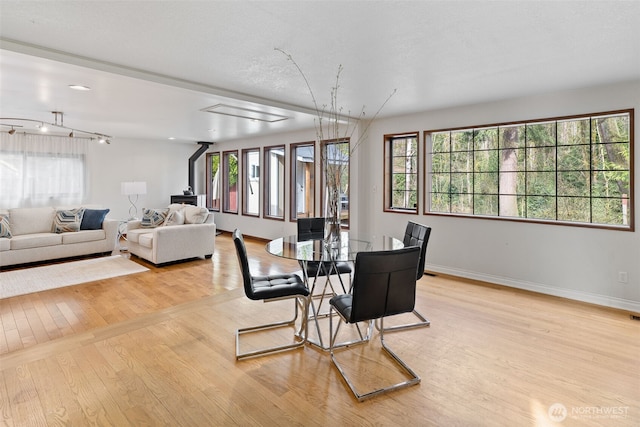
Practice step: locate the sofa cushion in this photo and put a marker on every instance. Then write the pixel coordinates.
(31, 220)
(93, 219)
(152, 218)
(5, 244)
(5, 229)
(175, 218)
(83, 236)
(134, 234)
(146, 240)
(35, 240)
(195, 214)
(67, 220)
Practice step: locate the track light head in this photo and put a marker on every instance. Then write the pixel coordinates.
(58, 128)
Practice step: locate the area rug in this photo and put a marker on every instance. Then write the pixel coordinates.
(26, 281)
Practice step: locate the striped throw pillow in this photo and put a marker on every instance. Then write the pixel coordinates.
(5, 230)
(152, 218)
(67, 220)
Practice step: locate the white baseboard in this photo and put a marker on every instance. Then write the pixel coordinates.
(604, 300)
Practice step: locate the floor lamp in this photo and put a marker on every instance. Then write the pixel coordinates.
(130, 189)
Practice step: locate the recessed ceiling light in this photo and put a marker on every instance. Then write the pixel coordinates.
(79, 87)
(172, 138)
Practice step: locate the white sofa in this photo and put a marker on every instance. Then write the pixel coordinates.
(41, 234)
(176, 233)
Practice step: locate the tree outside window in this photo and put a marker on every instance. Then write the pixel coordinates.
(401, 172)
(214, 181)
(573, 170)
(336, 157)
(230, 181)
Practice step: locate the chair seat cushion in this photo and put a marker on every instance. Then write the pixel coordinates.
(325, 266)
(277, 286)
(342, 304)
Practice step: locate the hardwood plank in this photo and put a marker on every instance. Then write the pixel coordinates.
(6, 417)
(23, 397)
(158, 348)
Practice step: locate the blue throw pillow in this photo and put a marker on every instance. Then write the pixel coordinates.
(93, 218)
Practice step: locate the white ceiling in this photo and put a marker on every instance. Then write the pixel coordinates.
(153, 66)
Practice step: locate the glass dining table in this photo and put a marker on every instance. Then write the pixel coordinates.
(314, 248)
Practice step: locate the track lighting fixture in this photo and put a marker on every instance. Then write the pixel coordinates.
(57, 124)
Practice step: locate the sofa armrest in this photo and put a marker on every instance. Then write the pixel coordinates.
(110, 227)
(134, 224)
(176, 242)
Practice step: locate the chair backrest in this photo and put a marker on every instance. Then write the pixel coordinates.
(418, 235)
(384, 283)
(310, 228)
(243, 259)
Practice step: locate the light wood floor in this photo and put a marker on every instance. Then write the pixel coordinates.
(157, 348)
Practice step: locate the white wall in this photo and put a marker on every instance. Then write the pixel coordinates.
(162, 164)
(573, 262)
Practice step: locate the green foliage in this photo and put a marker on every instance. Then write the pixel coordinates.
(569, 170)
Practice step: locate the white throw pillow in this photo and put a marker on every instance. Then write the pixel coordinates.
(31, 220)
(175, 218)
(195, 214)
(176, 207)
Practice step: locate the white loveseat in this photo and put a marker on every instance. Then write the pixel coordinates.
(176, 233)
(41, 234)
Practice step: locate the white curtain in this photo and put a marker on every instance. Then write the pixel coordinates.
(42, 170)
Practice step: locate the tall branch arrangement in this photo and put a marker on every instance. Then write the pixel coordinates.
(333, 125)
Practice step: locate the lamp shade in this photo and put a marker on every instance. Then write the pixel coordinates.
(133, 187)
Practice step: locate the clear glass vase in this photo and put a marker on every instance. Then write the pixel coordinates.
(332, 211)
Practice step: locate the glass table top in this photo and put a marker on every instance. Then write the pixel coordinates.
(316, 249)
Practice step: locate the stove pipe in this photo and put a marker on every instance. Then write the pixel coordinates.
(204, 146)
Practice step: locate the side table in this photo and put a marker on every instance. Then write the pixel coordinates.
(122, 235)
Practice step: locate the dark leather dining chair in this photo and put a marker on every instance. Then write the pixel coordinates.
(384, 284)
(271, 288)
(313, 228)
(415, 235)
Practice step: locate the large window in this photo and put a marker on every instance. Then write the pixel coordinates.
(230, 181)
(401, 172)
(335, 171)
(303, 182)
(574, 170)
(274, 158)
(40, 170)
(251, 179)
(214, 181)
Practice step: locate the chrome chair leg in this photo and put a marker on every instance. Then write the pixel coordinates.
(422, 323)
(361, 396)
(301, 334)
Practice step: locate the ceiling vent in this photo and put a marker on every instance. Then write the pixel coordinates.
(244, 113)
